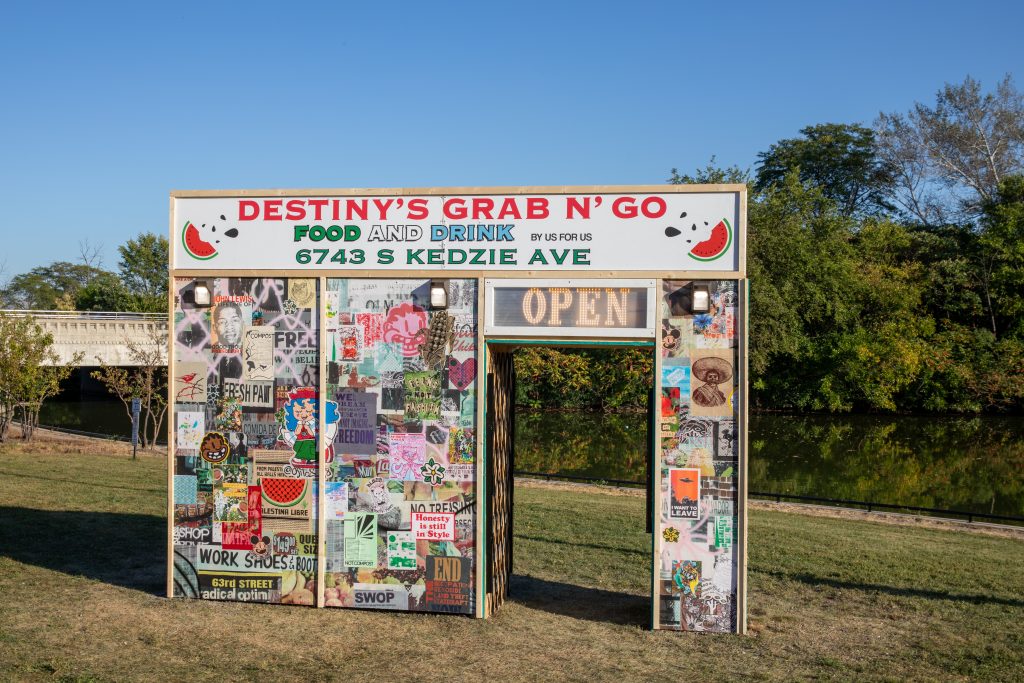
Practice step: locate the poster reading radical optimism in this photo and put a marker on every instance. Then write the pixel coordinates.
(654, 231)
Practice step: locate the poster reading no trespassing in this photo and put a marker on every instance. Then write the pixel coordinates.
(638, 231)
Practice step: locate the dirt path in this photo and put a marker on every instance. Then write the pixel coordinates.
(920, 521)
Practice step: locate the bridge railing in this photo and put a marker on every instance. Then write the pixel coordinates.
(87, 315)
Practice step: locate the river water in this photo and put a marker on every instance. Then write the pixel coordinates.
(973, 464)
(970, 464)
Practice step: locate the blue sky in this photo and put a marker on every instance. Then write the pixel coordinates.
(105, 108)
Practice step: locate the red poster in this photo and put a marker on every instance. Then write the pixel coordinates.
(238, 535)
(684, 486)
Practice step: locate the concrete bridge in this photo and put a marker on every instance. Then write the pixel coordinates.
(101, 336)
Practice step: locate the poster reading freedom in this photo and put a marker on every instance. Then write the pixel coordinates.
(637, 231)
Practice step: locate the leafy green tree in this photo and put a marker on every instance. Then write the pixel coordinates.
(802, 271)
(106, 292)
(711, 175)
(1002, 242)
(839, 159)
(143, 269)
(29, 373)
(146, 381)
(49, 287)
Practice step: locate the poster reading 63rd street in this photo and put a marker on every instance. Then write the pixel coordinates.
(668, 231)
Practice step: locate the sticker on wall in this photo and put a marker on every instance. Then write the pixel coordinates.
(258, 354)
(190, 383)
(408, 454)
(676, 376)
(401, 550)
(300, 426)
(433, 526)
(675, 341)
(372, 325)
(358, 423)
(336, 499)
(229, 414)
(686, 575)
(423, 395)
(189, 429)
(361, 539)
(214, 448)
(461, 446)
(331, 306)
(712, 383)
(230, 314)
(286, 498)
(349, 343)
(723, 532)
(684, 487)
(461, 373)
(230, 501)
(249, 394)
(185, 488)
(433, 472)
(448, 586)
(302, 292)
(405, 325)
(380, 596)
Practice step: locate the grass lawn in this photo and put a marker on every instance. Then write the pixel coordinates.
(82, 571)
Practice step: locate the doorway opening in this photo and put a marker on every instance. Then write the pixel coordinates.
(581, 551)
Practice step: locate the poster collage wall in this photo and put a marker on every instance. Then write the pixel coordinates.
(245, 424)
(401, 469)
(400, 435)
(697, 562)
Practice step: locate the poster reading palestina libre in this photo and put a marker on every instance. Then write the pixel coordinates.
(622, 231)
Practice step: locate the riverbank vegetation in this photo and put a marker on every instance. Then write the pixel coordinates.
(74, 610)
(886, 269)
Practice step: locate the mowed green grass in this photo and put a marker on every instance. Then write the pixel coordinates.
(82, 572)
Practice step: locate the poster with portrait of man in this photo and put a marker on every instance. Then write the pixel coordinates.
(230, 316)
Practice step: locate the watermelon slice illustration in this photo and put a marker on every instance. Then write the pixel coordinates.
(716, 245)
(283, 493)
(196, 246)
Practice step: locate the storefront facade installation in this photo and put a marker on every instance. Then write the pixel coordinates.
(342, 386)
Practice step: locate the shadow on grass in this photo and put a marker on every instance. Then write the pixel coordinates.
(580, 602)
(127, 550)
(923, 593)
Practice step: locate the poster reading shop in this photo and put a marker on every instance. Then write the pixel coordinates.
(616, 231)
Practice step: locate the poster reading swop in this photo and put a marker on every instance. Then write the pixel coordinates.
(636, 231)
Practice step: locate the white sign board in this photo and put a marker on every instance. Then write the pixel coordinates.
(650, 231)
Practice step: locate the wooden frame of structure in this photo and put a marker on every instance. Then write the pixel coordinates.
(493, 412)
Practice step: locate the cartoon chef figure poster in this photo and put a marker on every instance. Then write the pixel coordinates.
(300, 426)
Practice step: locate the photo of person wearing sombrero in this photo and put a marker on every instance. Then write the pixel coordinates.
(712, 371)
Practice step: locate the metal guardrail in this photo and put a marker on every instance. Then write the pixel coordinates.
(779, 497)
(94, 435)
(89, 315)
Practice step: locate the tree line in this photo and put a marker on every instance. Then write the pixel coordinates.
(886, 268)
(138, 285)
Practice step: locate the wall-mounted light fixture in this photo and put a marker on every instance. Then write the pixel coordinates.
(700, 299)
(438, 295)
(201, 293)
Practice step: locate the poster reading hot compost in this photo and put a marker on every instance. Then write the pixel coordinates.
(616, 231)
